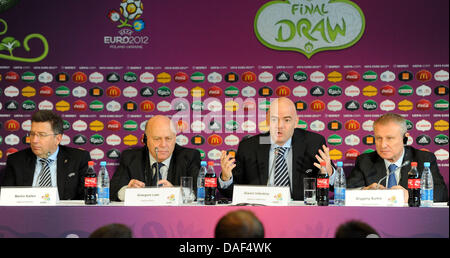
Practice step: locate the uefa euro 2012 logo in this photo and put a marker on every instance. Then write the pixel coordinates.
(128, 15)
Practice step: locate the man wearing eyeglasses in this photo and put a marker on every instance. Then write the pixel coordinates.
(46, 163)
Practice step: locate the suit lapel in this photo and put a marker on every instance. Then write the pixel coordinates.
(61, 170)
(30, 166)
(262, 156)
(298, 150)
(380, 169)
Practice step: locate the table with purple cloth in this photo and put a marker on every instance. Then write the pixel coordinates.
(74, 219)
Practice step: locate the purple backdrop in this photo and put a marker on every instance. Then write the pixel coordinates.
(215, 36)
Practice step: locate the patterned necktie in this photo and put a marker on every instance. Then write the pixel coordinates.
(44, 179)
(281, 169)
(155, 179)
(392, 179)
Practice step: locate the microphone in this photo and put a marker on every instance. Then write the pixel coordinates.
(273, 166)
(406, 163)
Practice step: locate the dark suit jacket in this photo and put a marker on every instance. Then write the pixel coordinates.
(134, 163)
(370, 168)
(71, 166)
(252, 161)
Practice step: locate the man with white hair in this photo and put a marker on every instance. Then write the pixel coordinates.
(139, 167)
(392, 155)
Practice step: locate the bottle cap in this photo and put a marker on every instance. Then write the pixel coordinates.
(91, 163)
(340, 163)
(203, 163)
(426, 164)
(323, 163)
(413, 164)
(210, 163)
(103, 163)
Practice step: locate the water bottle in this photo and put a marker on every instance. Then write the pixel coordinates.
(339, 185)
(103, 185)
(90, 185)
(426, 184)
(201, 183)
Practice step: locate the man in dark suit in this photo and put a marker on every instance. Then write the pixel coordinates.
(46, 163)
(391, 135)
(138, 167)
(298, 151)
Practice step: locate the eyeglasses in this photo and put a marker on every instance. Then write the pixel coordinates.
(40, 135)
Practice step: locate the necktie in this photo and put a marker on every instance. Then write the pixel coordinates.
(281, 169)
(392, 179)
(44, 179)
(155, 177)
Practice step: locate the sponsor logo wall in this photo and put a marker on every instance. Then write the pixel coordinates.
(214, 106)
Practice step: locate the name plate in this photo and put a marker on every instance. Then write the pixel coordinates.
(32, 196)
(263, 195)
(153, 196)
(393, 198)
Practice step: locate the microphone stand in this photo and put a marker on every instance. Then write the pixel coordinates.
(406, 163)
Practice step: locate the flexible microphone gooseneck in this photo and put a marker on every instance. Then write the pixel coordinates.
(406, 163)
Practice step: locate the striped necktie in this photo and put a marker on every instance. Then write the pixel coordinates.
(281, 169)
(44, 179)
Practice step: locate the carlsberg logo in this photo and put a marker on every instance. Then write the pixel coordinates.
(309, 26)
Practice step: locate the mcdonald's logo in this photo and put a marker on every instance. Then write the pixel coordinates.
(79, 77)
(113, 91)
(283, 91)
(147, 106)
(317, 105)
(352, 125)
(423, 76)
(249, 77)
(215, 140)
(12, 125)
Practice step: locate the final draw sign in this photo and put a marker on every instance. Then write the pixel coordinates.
(309, 26)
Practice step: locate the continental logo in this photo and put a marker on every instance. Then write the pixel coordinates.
(405, 105)
(335, 154)
(441, 125)
(370, 91)
(130, 140)
(28, 92)
(96, 126)
(62, 106)
(334, 76)
(197, 92)
(163, 78)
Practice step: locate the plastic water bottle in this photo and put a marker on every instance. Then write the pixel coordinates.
(103, 185)
(339, 185)
(201, 183)
(426, 184)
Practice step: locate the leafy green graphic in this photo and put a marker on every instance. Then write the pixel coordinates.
(309, 26)
(8, 44)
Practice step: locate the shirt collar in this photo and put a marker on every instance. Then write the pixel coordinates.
(286, 145)
(165, 162)
(53, 156)
(398, 163)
